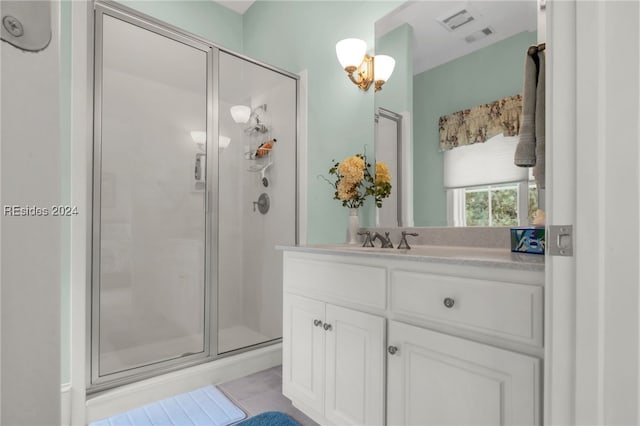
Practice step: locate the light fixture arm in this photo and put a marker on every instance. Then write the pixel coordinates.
(352, 51)
(365, 73)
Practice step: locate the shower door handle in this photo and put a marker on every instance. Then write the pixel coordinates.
(198, 176)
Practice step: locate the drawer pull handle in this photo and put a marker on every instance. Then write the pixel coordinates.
(327, 327)
(317, 323)
(449, 302)
(392, 350)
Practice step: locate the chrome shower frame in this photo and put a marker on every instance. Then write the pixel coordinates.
(96, 383)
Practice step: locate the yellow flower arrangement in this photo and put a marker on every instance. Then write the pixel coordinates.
(382, 187)
(354, 182)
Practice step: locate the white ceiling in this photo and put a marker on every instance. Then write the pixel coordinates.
(239, 6)
(435, 45)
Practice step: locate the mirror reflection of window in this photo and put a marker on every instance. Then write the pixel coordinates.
(484, 188)
(495, 205)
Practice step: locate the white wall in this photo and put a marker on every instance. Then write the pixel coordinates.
(30, 280)
(592, 336)
(608, 215)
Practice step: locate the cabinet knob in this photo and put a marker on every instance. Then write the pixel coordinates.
(317, 323)
(392, 350)
(449, 302)
(327, 327)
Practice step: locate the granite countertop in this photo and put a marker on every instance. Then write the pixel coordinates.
(454, 255)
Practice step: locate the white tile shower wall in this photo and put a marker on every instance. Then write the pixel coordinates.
(230, 226)
(263, 298)
(250, 268)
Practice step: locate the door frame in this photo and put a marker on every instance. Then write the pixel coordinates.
(558, 397)
(592, 301)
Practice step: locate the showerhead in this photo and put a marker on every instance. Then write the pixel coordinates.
(257, 120)
(256, 128)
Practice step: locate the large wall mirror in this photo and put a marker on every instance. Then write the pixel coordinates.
(451, 56)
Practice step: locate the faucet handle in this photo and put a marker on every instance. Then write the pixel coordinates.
(367, 239)
(388, 243)
(403, 242)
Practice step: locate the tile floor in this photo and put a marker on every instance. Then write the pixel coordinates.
(262, 391)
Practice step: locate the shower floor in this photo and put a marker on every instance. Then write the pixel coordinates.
(143, 354)
(239, 336)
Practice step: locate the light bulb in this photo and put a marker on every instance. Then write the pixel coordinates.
(351, 52)
(383, 66)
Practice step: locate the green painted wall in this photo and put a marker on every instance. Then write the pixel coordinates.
(480, 77)
(301, 35)
(204, 18)
(397, 93)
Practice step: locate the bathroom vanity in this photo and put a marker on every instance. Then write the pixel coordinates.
(432, 335)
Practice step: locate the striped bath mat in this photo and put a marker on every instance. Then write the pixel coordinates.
(202, 407)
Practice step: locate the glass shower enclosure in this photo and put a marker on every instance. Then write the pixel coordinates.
(189, 202)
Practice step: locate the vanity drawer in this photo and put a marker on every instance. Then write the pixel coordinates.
(505, 310)
(335, 281)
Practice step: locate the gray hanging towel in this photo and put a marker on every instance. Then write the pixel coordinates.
(539, 168)
(525, 155)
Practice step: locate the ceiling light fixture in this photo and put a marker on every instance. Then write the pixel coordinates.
(352, 56)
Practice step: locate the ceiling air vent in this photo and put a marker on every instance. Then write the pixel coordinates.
(456, 20)
(478, 35)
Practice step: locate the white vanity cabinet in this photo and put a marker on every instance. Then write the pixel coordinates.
(463, 342)
(334, 360)
(333, 356)
(437, 379)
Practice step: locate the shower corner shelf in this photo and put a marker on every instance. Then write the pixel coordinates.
(257, 168)
(260, 156)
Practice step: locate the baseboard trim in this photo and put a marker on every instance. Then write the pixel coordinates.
(133, 395)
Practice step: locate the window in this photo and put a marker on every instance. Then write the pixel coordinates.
(485, 188)
(493, 205)
(497, 205)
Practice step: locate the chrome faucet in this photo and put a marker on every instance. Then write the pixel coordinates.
(367, 239)
(386, 241)
(403, 242)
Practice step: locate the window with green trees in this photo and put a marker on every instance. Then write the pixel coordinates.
(497, 205)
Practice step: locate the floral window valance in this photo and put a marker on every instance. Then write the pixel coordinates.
(481, 122)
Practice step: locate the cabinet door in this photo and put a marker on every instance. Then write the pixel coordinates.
(354, 387)
(437, 379)
(303, 351)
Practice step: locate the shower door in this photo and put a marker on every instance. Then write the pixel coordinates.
(249, 306)
(152, 231)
